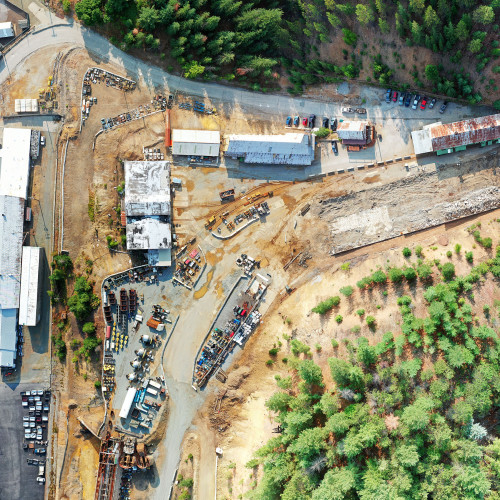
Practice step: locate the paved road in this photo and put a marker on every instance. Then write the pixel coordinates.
(393, 121)
(184, 401)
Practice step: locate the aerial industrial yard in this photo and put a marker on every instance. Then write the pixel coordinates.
(161, 236)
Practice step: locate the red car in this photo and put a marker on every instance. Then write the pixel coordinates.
(423, 103)
(304, 122)
(394, 96)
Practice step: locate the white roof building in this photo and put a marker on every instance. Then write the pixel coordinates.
(127, 402)
(285, 149)
(31, 281)
(148, 233)
(26, 106)
(195, 142)
(6, 30)
(11, 240)
(147, 188)
(148, 209)
(15, 162)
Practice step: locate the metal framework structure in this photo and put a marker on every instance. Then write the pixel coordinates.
(108, 464)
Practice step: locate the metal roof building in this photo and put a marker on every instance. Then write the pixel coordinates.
(31, 281)
(352, 132)
(148, 209)
(147, 188)
(15, 162)
(11, 240)
(443, 138)
(285, 149)
(8, 337)
(195, 142)
(6, 30)
(148, 233)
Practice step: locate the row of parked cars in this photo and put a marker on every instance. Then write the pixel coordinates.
(408, 98)
(35, 424)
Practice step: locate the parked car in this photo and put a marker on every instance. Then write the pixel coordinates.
(443, 107)
(402, 99)
(334, 147)
(394, 96)
(296, 121)
(304, 122)
(388, 95)
(325, 122)
(423, 104)
(41, 480)
(347, 110)
(288, 121)
(408, 99)
(42, 140)
(333, 124)
(361, 111)
(431, 104)
(415, 101)
(312, 120)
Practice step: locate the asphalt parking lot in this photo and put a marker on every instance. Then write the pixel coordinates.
(17, 478)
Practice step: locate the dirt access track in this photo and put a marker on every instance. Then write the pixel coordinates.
(91, 214)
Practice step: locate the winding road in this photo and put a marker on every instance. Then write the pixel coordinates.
(184, 401)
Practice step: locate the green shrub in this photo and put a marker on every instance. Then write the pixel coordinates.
(356, 329)
(97, 384)
(339, 318)
(347, 291)
(335, 344)
(469, 256)
(449, 253)
(326, 305)
(406, 252)
(458, 247)
(370, 321)
(88, 328)
(395, 274)
(360, 312)
(322, 132)
(274, 351)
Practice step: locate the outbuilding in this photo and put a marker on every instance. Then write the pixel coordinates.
(6, 30)
(196, 145)
(31, 286)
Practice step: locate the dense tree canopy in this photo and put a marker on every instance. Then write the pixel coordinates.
(387, 428)
(236, 39)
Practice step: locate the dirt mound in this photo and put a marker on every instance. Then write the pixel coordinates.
(236, 378)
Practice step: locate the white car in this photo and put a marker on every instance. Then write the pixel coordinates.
(347, 110)
(39, 393)
(42, 140)
(41, 480)
(26, 424)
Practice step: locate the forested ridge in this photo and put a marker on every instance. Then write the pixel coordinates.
(414, 416)
(257, 42)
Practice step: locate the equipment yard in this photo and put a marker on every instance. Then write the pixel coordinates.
(183, 253)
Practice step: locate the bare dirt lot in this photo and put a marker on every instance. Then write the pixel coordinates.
(243, 423)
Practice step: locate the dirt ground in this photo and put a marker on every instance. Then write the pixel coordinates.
(243, 424)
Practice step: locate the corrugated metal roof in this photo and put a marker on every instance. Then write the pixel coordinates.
(11, 239)
(285, 149)
(195, 142)
(6, 30)
(29, 302)
(8, 336)
(15, 166)
(147, 188)
(442, 137)
(352, 130)
(148, 233)
(473, 131)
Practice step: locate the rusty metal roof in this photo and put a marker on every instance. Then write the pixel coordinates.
(451, 135)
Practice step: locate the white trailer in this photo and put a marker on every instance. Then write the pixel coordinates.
(153, 392)
(154, 384)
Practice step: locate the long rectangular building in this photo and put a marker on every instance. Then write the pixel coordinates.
(444, 138)
(195, 143)
(11, 239)
(286, 149)
(148, 209)
(15, 162)
(31, 286)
